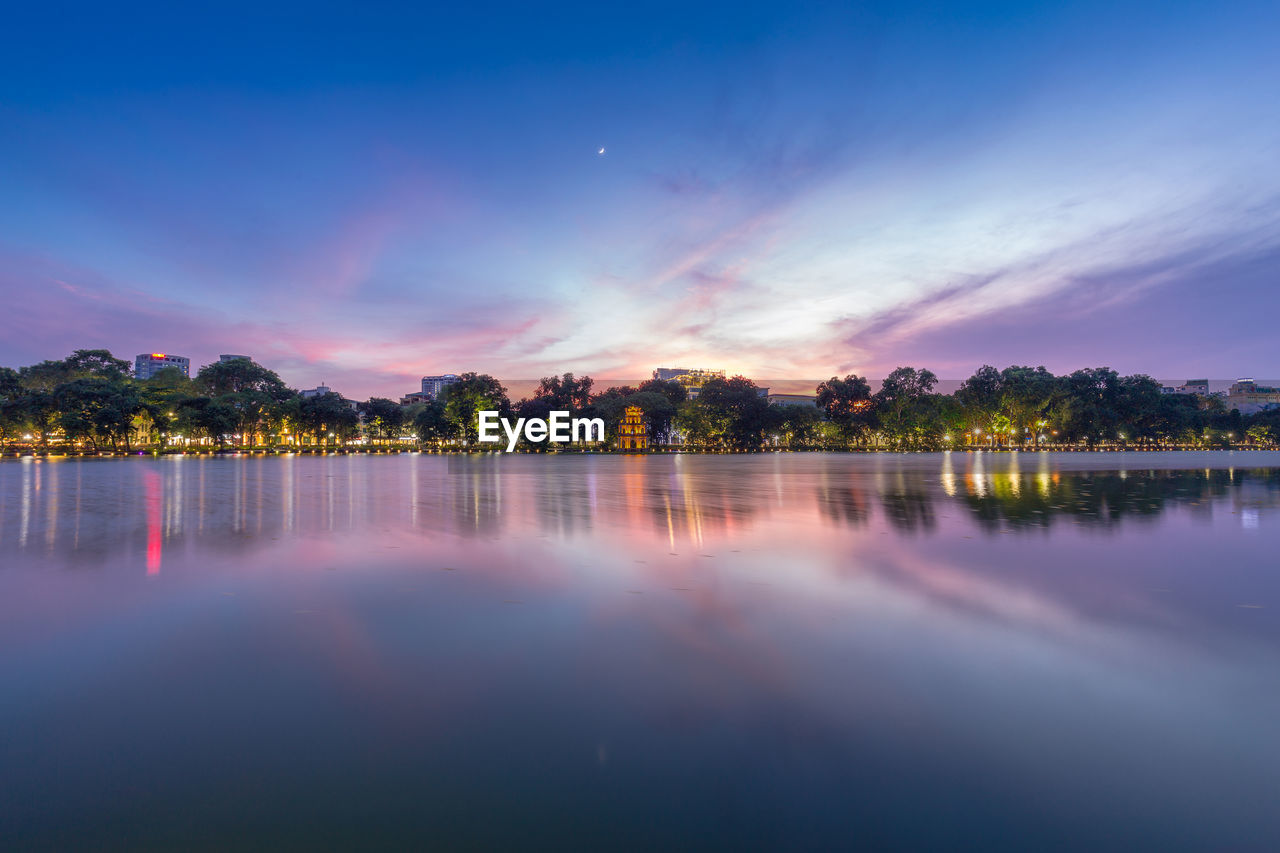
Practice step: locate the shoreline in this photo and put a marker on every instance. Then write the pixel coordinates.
(11, 455)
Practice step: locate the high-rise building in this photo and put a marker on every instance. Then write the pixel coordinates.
(433, 385)
(318, 391)
(147, 365)
(233, 357)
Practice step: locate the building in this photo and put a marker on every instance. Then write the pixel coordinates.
(792, 400)
(1191, 386)
(687, 375)
(321, 390)
(415, 397)
(149, 364)
(233, 358)
(1248, 396)
(692, 378)
(633, 434)
(433, 385)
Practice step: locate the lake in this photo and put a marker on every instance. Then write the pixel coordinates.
(1012, 651)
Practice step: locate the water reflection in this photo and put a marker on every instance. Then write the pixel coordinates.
(1107, 498)
(232, 504)
(770, 651)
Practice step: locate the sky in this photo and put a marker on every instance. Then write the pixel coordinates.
(360, 194)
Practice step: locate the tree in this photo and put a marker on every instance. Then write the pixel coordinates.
(235, 376)
(1178, 417)
(1025, 396)
(979, 395)
(659, 413)
(38, 410)
(97, 362)
(81, 364)
(796, 426)
(564, 393)
(10, 384)
(383, 417)
(1261, 435)
(431, 424)
(257, 394)
(161, 397)
(13, 415)
(1138, 407)
(899, 401)
(728, 413)
(470, 395)
(847, 403)
(1088, 405)
(614, 392)
(96, 409)
(44, 376)
(328, 415)
(669, 388)
(208, 418)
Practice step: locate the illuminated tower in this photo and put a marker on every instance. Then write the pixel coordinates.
(632, 433)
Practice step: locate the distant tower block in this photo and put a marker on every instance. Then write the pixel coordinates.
(148, 364)
(433, 386)
(632, 433)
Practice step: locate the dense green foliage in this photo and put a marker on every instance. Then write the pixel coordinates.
(90, 401)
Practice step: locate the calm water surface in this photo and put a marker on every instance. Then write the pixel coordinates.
(994, 652)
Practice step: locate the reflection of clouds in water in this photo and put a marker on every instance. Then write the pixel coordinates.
(689, 611)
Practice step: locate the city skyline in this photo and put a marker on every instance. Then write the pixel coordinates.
(361, 198)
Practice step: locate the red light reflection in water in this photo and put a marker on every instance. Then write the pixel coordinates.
(154, 490)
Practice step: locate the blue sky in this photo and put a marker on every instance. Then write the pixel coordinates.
(361, 196)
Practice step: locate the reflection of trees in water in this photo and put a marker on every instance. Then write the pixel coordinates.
(688, 501)
(1102, 498)
(466, 500)
(844, 505)
(1009, 497)
(563, 506)
(909, 510)
(89, 512)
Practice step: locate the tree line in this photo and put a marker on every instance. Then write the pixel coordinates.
(89, 399)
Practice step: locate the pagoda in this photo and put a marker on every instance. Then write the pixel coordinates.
(632, 432)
